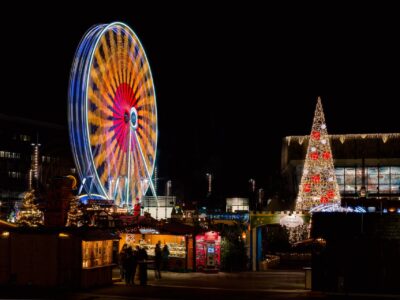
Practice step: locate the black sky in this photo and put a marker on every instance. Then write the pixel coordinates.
(230, 81)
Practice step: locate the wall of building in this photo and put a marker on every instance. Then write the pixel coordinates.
(17, 136)
(361, 252)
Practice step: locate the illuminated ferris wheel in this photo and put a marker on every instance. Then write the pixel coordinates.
(113, 114)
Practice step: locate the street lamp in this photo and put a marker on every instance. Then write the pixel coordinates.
(169, 184)
(260, 197)
(209, 180)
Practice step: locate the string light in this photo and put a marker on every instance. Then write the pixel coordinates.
(344, 137)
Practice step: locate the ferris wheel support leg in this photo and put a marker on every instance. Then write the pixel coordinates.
(116, 191)
(129, 168)
(81, 186)
(153, 191)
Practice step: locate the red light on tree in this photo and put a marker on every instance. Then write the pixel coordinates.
(324, 199)
(316, 135)
(330, 194)
(326, 155)
(316, 178)
(314, 155)
(307, 188)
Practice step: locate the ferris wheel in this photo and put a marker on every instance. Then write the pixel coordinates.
(113, 115)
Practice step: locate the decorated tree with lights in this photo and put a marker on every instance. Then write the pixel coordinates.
(318, 181)
(30, 215)
(75, 214)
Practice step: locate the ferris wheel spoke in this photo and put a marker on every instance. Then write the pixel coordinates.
(145, 166)
(129, 163)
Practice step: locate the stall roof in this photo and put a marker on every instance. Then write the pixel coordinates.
(6, 225)
(97, 235)
(177, 228)
(85, 233)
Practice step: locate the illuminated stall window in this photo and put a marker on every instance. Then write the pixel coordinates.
(176, 243)
(96, 253)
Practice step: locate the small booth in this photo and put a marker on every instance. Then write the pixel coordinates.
(208, 252)
(180, 246)
(97, 258)
(70, 257)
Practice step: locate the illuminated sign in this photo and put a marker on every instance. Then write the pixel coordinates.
(291, 221)
(148, 231)
(233, 217)
(100, 202)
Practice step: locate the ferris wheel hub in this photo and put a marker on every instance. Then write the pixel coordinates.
(134, 118)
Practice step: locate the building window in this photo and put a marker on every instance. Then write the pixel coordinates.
(14, 174)
(24, 137)
(378, 180)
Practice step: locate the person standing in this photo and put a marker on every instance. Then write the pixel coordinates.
(121, 261)
(134, 263)
(128, 266)
(165, 255)
(158, 260)
(142, 257)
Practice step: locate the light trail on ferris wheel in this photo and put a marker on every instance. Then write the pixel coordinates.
(112, 114)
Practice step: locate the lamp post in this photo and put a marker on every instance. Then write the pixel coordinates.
(166, 201)
(252, 184)
(209, 184)
(260, 197)
(252, 189)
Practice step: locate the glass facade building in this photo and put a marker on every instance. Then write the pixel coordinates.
(371, 161)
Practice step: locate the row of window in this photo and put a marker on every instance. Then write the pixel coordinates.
(8, 154)
(376, 179)
(15, 174)
(14, 155)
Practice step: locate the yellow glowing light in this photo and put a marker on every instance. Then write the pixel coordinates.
(63, 235)
(74, 182)
(5, 234)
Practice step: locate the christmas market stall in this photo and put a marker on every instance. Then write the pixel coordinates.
(178, 239)
(73, 257)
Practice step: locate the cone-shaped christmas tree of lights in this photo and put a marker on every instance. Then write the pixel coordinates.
(318, 182)
(75, 215)
(30, 215)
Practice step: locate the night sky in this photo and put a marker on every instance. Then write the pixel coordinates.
(231, 82)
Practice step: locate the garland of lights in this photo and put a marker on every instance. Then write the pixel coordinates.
(318, 181)
(343, 137)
